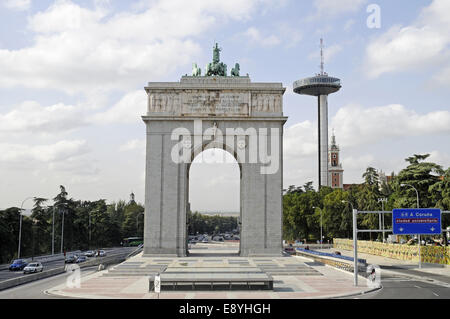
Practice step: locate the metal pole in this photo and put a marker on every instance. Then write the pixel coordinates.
(355, 248)
(62, 232)
(321, 237)
(417, 194)
(420, 257)
(20, 232)
(20, 225)
(382, 208)
(89, 230)
(53, 232)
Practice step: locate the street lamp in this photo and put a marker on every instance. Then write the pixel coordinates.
(89, 230)
(53, 231)
(321, 236)
(20, 224)
(137, 223)
(382, 200)
(417, 193)
(62, 231)
(346, 201)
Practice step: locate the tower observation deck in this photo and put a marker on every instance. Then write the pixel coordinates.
(321, 86)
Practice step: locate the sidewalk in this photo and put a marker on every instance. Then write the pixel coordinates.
(431, 271)
(324, 282)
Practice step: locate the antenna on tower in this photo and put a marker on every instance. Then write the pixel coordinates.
(321, 57)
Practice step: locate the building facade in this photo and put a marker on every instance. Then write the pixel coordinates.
(335, 170)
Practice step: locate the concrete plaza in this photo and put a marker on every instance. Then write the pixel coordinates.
(294, 277)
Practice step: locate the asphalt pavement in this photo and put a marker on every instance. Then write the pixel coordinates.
(36, 289)
(407, 288)
(48, 265)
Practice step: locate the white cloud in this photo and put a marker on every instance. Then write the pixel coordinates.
(333, 7)
(255, 37)
(59, 151)
(328, 53)
(19, 5)
(135, 144)
(77, 49)
(423, 44)
(356, 125)
(30, 116)
(128, 110)
(300, 140)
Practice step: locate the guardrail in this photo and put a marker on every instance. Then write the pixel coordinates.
(44, 258)
(9, 283)
(135, 252)
(333, 260)
(29, 278)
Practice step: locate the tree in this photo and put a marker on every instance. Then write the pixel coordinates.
(421, 175)
(42, 222)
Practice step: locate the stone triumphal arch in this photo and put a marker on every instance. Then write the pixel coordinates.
(216, 111)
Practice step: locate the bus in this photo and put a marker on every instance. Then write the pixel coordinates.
(132, 241)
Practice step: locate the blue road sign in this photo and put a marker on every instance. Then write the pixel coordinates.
(419, 221)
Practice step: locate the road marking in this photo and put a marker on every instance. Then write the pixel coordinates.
(417, 286)
(435, 294)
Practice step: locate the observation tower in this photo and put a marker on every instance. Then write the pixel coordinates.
(321, 86)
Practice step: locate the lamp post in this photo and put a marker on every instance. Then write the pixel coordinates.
(355, 244)
(382, 200)
(417, 193)
(20, 224)
(62, 231)
(418, 236)
(321, 236)
(346, 201)
(53, 231)
(89, 230)
(137, 223)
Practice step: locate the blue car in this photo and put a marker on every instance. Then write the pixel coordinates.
(18, 264)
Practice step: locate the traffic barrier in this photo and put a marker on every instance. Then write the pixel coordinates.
(339, 263)
(320, 253)
(43, 259)
(9, 283)
(429, 254)
(30, 277)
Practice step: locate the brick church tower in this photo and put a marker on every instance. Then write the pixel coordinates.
(335, 171)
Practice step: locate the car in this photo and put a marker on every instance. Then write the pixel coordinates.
(89, 253)
(81, 259)
(71, 259)
(33, 267)
(290, 249)
(205, 240)
(18, 264)
(100, 253)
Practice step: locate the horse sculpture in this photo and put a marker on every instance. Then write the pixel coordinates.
(196, 71)
(235, 70)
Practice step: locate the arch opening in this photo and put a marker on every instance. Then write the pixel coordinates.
(214, 204)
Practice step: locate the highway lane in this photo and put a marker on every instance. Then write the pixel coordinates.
(6, 274)
(400, 287)
(36, 289)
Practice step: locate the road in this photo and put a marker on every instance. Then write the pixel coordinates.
(402, 287)
(6, 274)
(36, 289)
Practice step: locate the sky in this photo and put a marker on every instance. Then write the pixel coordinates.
(72, 77)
